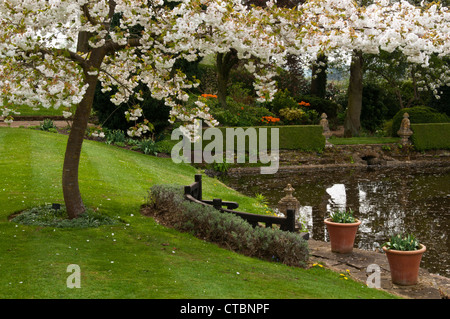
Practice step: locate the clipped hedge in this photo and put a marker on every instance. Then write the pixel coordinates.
(167, 205)
(302, 137)
(431, 136)
(291, 137)
(418, 114)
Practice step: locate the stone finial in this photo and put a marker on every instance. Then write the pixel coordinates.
(288, 201)
(405, 130)
(326, 129)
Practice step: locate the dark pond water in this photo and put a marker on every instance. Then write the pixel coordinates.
(409, 200)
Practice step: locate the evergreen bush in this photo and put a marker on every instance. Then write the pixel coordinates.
(321, 105)
(418, 114)
(167, 204)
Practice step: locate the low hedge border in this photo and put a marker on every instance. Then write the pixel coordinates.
(167, 205)
(431, 136)
(291, 137)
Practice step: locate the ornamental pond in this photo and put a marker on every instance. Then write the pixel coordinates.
(387, 200)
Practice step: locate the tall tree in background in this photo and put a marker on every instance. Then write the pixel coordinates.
(352, 123)
(319, 76)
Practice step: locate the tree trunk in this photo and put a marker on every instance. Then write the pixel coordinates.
(352, 123)
(319, 78)
(83, 41)
(71, 191)
(224, 64)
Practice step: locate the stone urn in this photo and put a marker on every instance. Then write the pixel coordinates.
(342, 235)
(404, 265)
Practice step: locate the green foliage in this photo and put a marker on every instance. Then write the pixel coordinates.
(377, 106)
(47, 125)
(442, 104)
(282, 100)
(292, 116)
(262, 200)
(225, 229)
(320, 105)
(431, 136)
(164, 146)
(115, 136)
(418, 114)
(112, 116)
(403, 243)
(298, 116)
(219, 167)
(148, 146)
(46, 216)
(342, 216)
(241, 94)
(237, 113)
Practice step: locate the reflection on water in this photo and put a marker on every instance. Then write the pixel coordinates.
(408, 200)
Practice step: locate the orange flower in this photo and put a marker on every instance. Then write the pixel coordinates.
(270, 119)
(209, 95)
(304, 103)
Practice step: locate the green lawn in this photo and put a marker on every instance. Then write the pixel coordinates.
(139, 259)
(363, 140)
(28, 111)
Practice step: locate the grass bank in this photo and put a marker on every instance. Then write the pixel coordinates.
(139, 258)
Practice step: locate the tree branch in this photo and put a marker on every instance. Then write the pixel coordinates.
(111, 46)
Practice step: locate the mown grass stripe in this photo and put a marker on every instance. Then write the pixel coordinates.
(130, 260)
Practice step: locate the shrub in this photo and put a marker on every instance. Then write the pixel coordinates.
(238, 114)
(115, 136)
(282, 100)
(299, 116)
(292, 116)
(418, 114)
(431, 136)
(164, 146)
(148, 146)
(47, 125)
(321, 105)
(167, 204)
(377, 106)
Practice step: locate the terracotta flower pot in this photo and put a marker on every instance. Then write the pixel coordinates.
(342, 235)
(404, 265)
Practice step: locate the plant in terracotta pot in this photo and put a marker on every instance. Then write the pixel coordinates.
(404, 254)
(342, 228)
